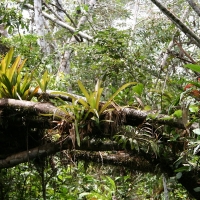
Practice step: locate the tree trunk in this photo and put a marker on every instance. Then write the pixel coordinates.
(64, 67)
(40, 27)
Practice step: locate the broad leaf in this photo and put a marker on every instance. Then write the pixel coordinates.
(193, 67)
(138, 88)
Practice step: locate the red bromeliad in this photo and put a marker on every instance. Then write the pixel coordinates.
(195, 92)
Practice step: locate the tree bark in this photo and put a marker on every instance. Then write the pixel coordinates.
(131, 159)
(31, 154)
(40, 27)
(3, 31)
(136, 11)
(64, 67)
(32, 107)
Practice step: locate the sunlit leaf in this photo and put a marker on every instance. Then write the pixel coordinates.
(8, 58)
(193, 67)
(11, 71)
(138, 88)
(182, 169)
(83, 90)
(3, 66)
(84, 103)
(7, 84)
(33, 93)
(20, 66)
(194, 108)
(111, 182)
(177, 114)
(13, 86)
(147, 108)
(114, 95)
(43, 82)
(197, 131)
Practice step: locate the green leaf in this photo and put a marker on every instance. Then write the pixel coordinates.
(114, 95)
(194, 108)
(136, 146)
(86, 7)
(167, 118)
(14, 79)
(33, 93)
(25, 84)
(84, 103)
(154, 147)
(153, 116)
(7, 84)
(138, 88)
(25, 95)
(177, 114)
(178, 161)
(92, 101)
(197, 189)
(193, 67)
(20, 66)
(111, 181)
(83, 90)
(147, 108)
(182, 169)
(8, 58)
(43, 82)
(12, 85)
(11, 71)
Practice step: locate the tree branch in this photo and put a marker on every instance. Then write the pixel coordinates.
(116, 154)
(30, 107)
(63, 24)
(52, 11)
(133, 162)
(31, 154)
(59, 8)
(139, 161)
(178, 23)
(132, 116)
